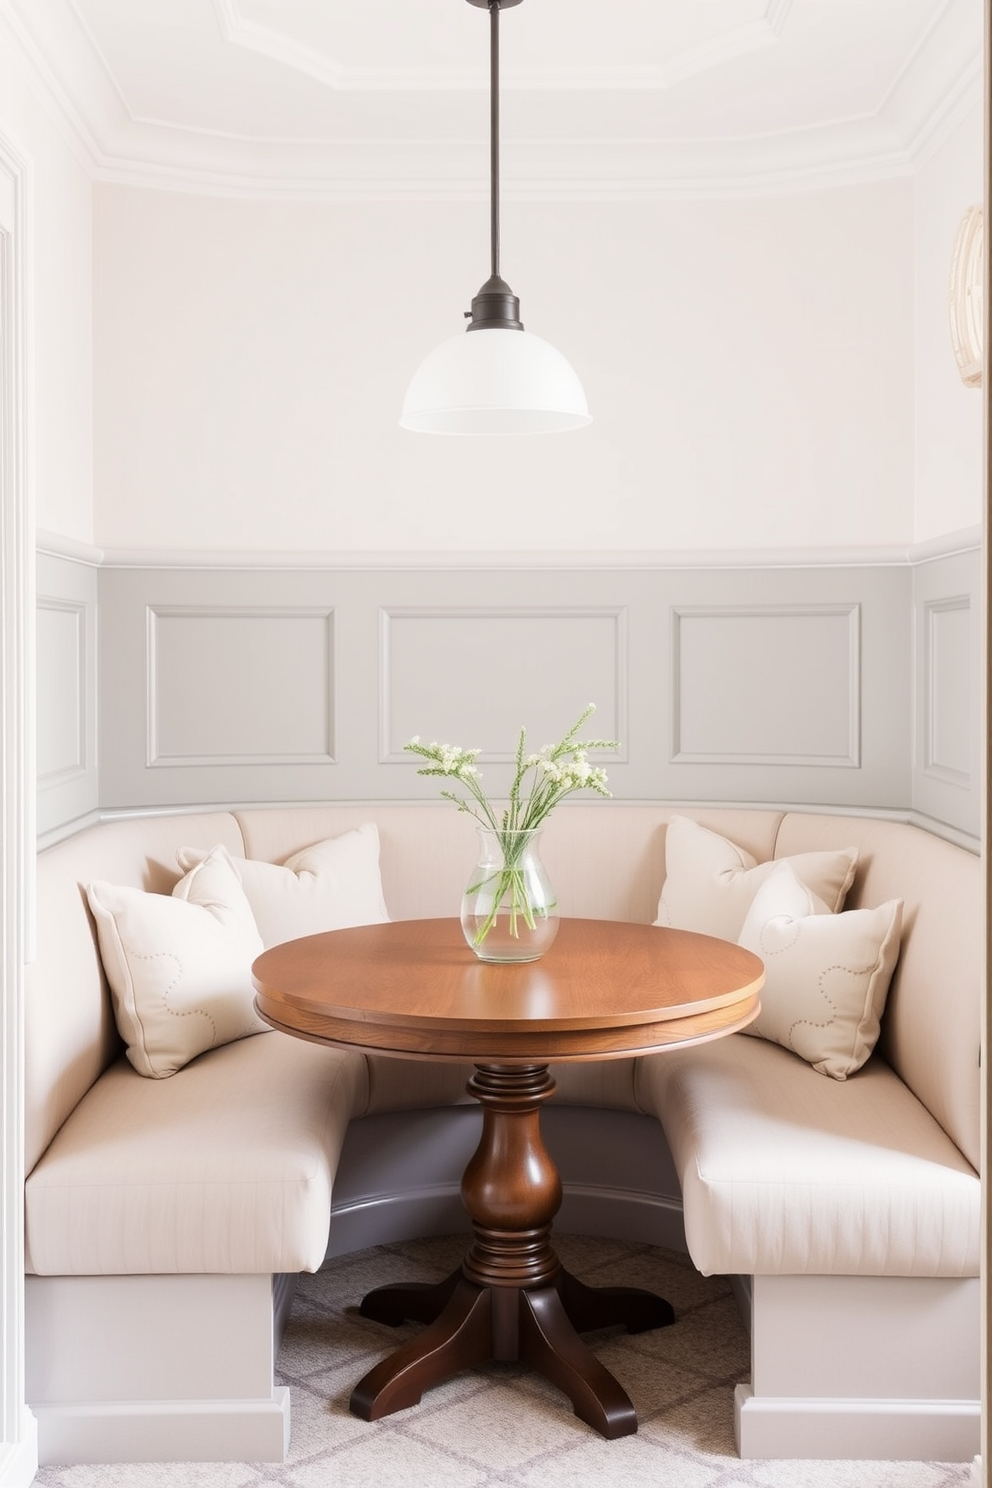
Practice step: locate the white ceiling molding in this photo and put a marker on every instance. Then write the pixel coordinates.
(714, 51)
(585, 129)
(938, 85)
(39, 52)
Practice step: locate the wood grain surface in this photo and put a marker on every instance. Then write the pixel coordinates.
(605, 989)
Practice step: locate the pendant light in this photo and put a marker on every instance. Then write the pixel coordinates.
(498, 378)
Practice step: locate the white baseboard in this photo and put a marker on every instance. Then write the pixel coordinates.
(879, 1430)
(165, 1431)
(19, 1459)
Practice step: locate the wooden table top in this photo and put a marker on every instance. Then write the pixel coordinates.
(413, 988)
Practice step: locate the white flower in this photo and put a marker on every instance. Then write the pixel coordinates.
(560, 768)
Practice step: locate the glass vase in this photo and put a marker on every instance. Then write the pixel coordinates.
(509, 909)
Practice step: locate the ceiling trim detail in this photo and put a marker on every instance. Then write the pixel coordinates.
(938, 87)
(749, 36)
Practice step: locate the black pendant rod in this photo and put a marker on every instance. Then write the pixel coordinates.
(494, 135)
(495, 307)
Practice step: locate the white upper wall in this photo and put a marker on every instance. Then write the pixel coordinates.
(749, 365)
(949, 445)
(763, 373)
(60, 277)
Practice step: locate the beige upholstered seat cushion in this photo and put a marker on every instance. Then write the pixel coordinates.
(226, 1167)
(786, 1173)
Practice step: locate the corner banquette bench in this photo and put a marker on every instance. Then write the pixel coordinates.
(167, 1219)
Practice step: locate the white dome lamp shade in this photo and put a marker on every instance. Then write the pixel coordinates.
(500, 379)
(497, 378)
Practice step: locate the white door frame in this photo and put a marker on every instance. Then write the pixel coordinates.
(18, 1431)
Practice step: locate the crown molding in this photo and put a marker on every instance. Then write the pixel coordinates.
(940, 84)
(844, 155)
(54, 41)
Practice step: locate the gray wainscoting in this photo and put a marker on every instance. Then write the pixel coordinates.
(948, 647)
(833, 684)
(66, 691)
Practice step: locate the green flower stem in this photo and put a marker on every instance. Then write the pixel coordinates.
(509, 882)
(558, 770)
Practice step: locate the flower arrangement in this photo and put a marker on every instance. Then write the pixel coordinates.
(540, 781)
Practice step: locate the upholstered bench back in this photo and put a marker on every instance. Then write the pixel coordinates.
(70, 1034)
(606, 860)
(931, 1030)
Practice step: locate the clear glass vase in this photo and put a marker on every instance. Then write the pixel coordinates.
(509, 909)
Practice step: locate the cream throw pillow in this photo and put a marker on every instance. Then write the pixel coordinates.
(826, 975)
(328, 886)
(710, 883)
(179, 967)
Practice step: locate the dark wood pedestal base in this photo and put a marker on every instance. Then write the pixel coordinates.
(511, 1298)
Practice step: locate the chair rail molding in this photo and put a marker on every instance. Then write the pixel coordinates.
(888, 555)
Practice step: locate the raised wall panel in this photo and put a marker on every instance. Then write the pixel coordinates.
(61, 695)
(446, 674)
(767, 685)
(65, 689)
(229, 686)
(949, 703)
(947, 602)
(788, 686)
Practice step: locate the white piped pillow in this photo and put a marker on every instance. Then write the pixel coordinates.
(329, 886)
(826, 975)
(710, 883)
(179, 966)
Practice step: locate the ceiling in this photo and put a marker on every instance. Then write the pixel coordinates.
(352, 99)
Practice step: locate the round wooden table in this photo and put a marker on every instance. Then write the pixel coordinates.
(605, 990)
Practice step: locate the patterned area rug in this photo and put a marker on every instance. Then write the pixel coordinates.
(503, 1426)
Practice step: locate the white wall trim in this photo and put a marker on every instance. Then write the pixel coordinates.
(880, 1430)
(53, 545)
(19, 1459)
(173, 1431)
(69, 121)
(895, 556)
(18, 1438)
(968, 540)
(911, 818)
